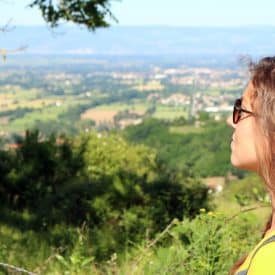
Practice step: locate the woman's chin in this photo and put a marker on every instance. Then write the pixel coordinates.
(243, 165)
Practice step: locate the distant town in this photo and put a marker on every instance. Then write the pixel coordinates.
(104, 94)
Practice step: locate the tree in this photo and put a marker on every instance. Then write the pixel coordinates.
(89, 13)
(92, 14)
(3, 52)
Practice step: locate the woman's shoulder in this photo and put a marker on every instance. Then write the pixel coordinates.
(263, 261)
(258, 262)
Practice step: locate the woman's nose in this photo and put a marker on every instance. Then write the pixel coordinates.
(230, 121)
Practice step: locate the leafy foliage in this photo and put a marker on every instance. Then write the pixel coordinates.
(206, 153)
(89, 13)
(208, 244)
(247, 191)
(122, 192)
(123, 195)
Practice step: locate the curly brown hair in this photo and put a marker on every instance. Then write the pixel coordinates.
(263, 105)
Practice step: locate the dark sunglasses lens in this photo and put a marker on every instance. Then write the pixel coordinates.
(236, 115)
(237, 111)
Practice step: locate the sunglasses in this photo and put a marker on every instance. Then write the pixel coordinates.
(238, 110)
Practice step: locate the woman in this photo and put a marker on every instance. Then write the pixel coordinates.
(253, 148)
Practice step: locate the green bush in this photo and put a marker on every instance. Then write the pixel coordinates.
(208, 244)
(206, 153)
(121, 191)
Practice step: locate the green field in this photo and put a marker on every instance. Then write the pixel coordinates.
(134, 107)
(185, 129)
(169, 112)
(45, 114)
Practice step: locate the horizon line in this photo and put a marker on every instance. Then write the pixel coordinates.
(150, 26)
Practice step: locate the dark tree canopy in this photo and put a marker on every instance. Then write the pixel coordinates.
(92, 14)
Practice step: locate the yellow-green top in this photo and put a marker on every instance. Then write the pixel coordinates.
(261, 260)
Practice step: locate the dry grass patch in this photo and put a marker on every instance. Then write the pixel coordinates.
(99, 116)
(4, 120)
(150, 86)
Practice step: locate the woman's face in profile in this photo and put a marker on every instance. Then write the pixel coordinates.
(243, 143)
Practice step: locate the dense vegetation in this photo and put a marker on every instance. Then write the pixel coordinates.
(205, 152)
(116, 201)
(121, 193)
(97, 203)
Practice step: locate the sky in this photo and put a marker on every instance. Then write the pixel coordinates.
(162, 12)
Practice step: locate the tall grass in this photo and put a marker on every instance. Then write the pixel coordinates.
(208, 244)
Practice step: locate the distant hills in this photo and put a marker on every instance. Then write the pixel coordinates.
(143, 40)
